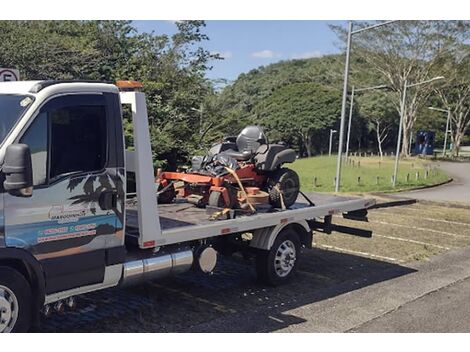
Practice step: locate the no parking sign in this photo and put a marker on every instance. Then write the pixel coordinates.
(9, 74)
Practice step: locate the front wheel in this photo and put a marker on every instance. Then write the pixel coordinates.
(279, 264)
(15, 301)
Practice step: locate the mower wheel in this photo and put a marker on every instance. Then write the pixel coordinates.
(167, 196)
(283, 183)
(216, 199)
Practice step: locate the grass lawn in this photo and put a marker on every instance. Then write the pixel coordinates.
(324, 169)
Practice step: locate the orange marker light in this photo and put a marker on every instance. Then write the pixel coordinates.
(128, 85)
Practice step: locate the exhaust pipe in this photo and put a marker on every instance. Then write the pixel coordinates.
(157, 267)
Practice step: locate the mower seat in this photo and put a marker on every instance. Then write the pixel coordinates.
(247, 142)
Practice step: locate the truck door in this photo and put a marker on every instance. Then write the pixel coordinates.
(73, 221)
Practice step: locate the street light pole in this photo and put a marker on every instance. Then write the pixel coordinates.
(331, 141)
(349, 122)
(445, 137)
(400, 127)
(351, 111)
(447, 127)
(345, 93)
(402, 113)
(343, 109)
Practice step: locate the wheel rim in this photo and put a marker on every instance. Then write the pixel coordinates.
(8, 309)
(285, 258)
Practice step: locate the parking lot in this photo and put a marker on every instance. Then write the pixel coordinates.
(228, 300)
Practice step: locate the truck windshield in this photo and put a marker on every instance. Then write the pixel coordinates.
(12, 107)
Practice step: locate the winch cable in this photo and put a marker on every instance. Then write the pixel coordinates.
(234, 174)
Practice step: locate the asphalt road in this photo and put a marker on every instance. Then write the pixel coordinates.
(456, 191)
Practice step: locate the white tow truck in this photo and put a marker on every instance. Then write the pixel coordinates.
(68, 227)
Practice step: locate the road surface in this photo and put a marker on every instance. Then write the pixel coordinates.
(456, 191)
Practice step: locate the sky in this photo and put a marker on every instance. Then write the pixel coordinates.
(246, 45)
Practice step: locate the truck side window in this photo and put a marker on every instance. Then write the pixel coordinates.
(36, 138)
(77, 139)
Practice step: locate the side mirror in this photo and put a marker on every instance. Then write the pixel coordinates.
(18, 170)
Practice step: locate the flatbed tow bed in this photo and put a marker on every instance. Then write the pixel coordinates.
(183, 221)
(69, 227)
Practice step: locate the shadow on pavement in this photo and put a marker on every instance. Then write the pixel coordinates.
(230, 300)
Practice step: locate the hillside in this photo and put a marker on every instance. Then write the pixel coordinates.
(297, 101)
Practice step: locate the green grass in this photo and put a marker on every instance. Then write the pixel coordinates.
(324, 169)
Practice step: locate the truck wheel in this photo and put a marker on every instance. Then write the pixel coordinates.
(15, 301)
(278, 265)
(286, 182)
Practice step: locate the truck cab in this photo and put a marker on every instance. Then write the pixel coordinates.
(62, 184)
(68, 226)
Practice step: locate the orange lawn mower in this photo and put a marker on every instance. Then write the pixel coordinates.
(243, 172)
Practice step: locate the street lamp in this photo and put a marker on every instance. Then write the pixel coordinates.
(331, 140)
(345, 95)
(351, 110)
(200, 117)
(400, 127)
(447, 126)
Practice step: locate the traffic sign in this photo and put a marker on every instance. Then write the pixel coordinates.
(9, 74)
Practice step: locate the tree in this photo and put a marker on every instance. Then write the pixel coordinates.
(455, 95)
(300, 112)
(408, 51)
(172, 69)
(378, 109)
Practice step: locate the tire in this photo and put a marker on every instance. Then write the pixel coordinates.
(15, 301)
(287, 182)
(270, 265)
(167, 196)
(216, 199)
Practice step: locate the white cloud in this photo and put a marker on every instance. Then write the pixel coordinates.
(265, 54)
(307, 55)
(223, 54)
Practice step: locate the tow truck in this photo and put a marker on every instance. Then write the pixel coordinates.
(68, 226)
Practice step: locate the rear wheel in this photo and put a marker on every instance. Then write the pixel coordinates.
(283, 187)
(15, 301)
(278, 265)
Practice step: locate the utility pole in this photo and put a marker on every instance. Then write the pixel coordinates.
(331, 141)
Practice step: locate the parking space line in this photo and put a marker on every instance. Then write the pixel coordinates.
(364, 254)
(429, 219)
(411, 241)
(419, 228)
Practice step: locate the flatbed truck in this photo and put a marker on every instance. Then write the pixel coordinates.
(68, 226)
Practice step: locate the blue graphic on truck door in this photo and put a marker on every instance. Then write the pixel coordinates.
(75, 212)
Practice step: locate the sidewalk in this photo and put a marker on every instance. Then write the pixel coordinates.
(360, 308)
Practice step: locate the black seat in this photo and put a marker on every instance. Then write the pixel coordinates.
(248, 141)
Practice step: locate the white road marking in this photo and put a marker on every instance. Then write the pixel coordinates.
(410, 241)
(364, 254)
(428, 219)
(420, 229)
